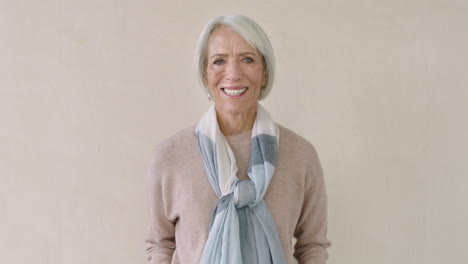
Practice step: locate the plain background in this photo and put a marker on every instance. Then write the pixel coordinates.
(88, 88)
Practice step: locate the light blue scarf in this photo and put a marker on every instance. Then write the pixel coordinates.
(242, 230)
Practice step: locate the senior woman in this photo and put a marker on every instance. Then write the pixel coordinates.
(237, 187)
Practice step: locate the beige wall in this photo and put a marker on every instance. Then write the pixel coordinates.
(88, 87)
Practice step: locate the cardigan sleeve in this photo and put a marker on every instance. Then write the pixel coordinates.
(311, 230)
(160, 239)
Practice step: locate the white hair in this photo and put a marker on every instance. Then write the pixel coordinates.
(252, 34)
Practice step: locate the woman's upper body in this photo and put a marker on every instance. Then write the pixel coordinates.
(181, 200)
(194, 176)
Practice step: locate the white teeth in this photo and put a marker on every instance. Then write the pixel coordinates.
(234, 92)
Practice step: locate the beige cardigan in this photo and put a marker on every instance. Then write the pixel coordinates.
(181, 199)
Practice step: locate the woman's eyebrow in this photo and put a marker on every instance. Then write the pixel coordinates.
(218, 55)
(248, 53)
(240, 54)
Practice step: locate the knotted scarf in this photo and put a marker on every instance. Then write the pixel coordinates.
(242, 230)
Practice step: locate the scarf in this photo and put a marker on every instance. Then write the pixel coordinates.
(242, 229)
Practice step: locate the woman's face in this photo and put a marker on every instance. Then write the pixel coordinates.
(234, 74)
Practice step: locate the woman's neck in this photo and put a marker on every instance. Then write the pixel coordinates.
(233, 124)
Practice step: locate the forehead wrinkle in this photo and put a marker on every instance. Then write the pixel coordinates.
(232, 49)
(224, 41)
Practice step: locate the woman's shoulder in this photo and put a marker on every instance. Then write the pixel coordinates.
(296, 153)
(176, 145)
(180, 138)
(294, 141)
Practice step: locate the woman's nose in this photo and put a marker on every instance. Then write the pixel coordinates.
(233, 71)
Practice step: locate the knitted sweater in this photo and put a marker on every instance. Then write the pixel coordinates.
(181, 199)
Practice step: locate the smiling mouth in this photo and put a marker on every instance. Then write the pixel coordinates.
(234, 92)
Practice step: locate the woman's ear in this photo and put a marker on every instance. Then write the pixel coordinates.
(205, 81)
(265, 78)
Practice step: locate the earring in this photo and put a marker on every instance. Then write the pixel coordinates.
(209, 97)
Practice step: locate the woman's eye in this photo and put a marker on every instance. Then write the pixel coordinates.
(248, 60)
(218, 62)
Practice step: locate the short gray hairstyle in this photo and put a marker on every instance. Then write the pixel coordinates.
(251, 32)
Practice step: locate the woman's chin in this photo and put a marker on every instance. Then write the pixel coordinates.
(235, 109)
